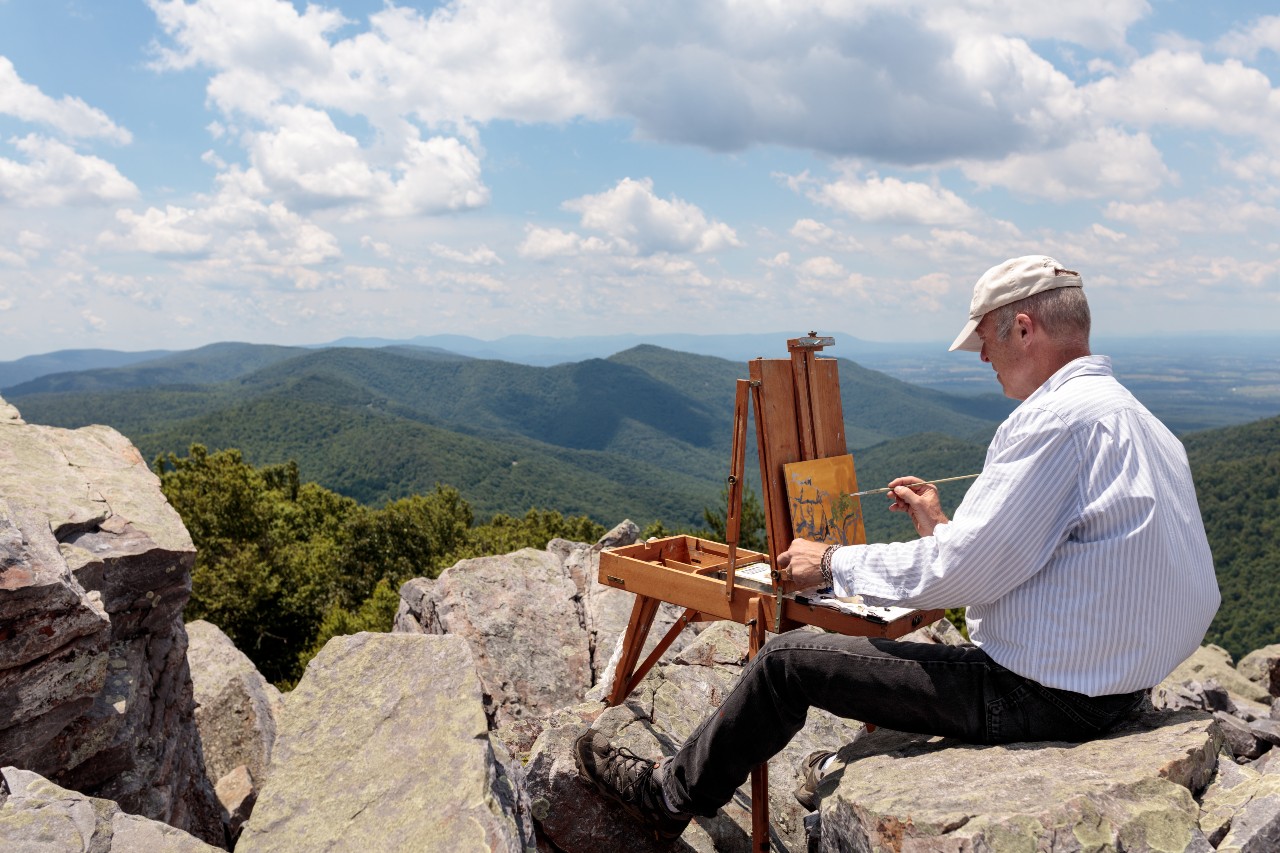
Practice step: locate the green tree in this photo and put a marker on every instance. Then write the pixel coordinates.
(752, 533)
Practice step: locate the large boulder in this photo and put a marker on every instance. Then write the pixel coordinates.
(522, 619)
(1132, 791)
(384, 745)
(544, 633)
(37, 816)
(236, 708)
(1210, 662)
(96, 568)
(1262, 667)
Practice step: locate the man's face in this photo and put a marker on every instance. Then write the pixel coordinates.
(1007, 358)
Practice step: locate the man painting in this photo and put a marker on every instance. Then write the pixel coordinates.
(1079, 553)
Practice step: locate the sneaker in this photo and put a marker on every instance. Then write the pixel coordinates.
(628, 780)
(811, 777)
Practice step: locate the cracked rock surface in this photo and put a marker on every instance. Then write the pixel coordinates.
(95, 568)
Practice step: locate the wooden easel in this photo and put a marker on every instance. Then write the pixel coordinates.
(798, 418)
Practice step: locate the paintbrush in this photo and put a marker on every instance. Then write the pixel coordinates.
(910, 485)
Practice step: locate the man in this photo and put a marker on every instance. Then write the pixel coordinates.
(1079, 552)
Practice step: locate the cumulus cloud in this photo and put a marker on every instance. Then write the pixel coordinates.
(1173, 88)
(1247, 42)
(160, 232)
(55, 174)
(479, 256)
(875, 199)
(900, 81)
(69, 116)
(235, 227)
(816, 233)
(633, 216)
(1110, 163)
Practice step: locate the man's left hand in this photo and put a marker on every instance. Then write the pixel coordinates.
(802, 558)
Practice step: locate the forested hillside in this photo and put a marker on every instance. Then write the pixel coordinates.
(1237, 474)
(644, 434)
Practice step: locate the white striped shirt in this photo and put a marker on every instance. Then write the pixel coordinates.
(1079, 550)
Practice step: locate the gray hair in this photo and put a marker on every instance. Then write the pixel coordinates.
(1063, 312)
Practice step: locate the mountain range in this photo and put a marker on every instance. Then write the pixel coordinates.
(643, 434)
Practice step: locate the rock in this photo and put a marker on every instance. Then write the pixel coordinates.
(236, 708)
(1129, 791)
(95, 693)
(237, 794)
(1262, 667)
(654, 721)
(521, 617)
(1232, 787)
(401, 761)
(543, 631)
(1241, 810)
(1214, 662)
(37, 815)
(1266, 729)
(1241, 740)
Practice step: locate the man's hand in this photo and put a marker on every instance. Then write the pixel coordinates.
(920, 499)
(803, 558)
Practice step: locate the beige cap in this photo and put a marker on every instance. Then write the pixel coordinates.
(1016, 278)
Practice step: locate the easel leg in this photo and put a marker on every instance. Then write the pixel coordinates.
(658, 650)
(759, 773)
(642, 613)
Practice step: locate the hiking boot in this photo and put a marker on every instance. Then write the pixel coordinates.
(811, 777)
(628, 780)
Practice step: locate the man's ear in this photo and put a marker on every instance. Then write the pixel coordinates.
(1023, 326)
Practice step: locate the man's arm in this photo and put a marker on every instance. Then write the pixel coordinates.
(908, 494)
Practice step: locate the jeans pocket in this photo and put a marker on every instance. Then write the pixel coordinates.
(1007, 719)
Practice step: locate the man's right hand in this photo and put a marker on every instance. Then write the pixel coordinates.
(920, 499)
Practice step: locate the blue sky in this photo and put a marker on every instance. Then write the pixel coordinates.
(174, 173)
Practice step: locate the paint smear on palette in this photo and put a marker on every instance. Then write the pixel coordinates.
(820, 496)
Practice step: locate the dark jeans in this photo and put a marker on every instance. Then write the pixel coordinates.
(955, 691)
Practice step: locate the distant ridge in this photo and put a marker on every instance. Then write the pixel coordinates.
(63, 361)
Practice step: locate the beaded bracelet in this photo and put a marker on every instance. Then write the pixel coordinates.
(824, 565)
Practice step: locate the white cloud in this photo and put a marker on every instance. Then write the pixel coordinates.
(479, 256)
(631, 213)
(1247, 42)
(1180, 89)
(68, 115)
(1194, 215)
(876, 199)
(821, 267)
(816, 233)
(1111, 163)
(902, 81)
(235, 229)
(55, 175)
(544, 243)
(156, 232)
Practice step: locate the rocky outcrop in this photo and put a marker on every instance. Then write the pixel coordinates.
(95, 567)
(384, 745)
(236, 708)
(1207, 663)
(542, 630)
(37, 815)
(1130, 791)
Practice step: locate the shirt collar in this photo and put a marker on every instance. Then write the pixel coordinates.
(1087, 365)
